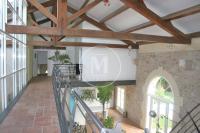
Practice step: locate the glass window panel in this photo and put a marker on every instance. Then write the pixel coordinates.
(24, 77)
(24, 13)
(19, 8)
(122, 99)
(19, 21)
(9, 56)
(170, 117)
(9, 88)
(1, 55)
(11, 2)
(10, 14)
(162, 117)
(154, 120)
(17, 82)
(1, 96)
(1, 15)
(20, 80)
(17, 56)
(118, 97)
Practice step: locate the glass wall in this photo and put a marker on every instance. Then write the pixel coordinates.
(12, 52)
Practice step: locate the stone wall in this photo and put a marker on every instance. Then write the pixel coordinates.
(184, 69)
(129, 101)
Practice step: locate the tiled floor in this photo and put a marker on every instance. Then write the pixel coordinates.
(35, 112)
(126, 124)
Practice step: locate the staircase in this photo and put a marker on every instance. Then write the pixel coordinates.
(190, 123)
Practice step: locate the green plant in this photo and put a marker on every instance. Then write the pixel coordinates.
(61, 58)
(108, 122)
(88, 95)
(104, 95)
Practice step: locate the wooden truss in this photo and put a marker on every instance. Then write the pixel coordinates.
(64, 25)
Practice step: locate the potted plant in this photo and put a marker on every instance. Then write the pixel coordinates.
(104, 95)
(60, 58)
(108, 122)
(88, 95)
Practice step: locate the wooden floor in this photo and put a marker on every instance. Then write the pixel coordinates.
(126, 124)
(35, 112)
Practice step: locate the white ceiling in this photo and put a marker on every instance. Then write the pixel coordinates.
(100, 11)
(126, 20)
(166, 7)
(153, 30)
(130, 18)
(188, 24)
(76, 4)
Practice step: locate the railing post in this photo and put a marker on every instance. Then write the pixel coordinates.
(193, 122)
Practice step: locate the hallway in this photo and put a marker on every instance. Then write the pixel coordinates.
(35, 112)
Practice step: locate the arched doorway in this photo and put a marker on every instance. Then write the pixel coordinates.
(160, 105)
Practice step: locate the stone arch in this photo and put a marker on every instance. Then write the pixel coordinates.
(160, 72)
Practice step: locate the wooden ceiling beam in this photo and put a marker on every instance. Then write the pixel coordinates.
(140, 7)
(34, 22)
(113, 14)
(183, 13)
(44, 4)
(173, 16)
(49, 47)
(195, 34)
(77, 44)
(43, 21)
(84, 10)
(54, 12)
(85, 3)
(33, 30)
(74, 25)
(62, 14)
(139, 27)
(97, 24)
(43, 10)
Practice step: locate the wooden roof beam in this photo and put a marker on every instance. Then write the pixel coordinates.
(43, 21)
(173, 16)
(84, 17)
(34, 22)
(140, 7)
(113, 14)
(33, 30)
(44, 4)
(77, 44)
(84, 10)
(85, 3)
(62, 14)
(43, 10)
(74, 25)
(194, 35)
(100, 26)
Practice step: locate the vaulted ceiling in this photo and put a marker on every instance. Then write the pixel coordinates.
(134, 22)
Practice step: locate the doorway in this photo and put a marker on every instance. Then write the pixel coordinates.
(40, 64)
(160, 106)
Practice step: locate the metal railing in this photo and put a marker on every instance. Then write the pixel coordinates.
(73, 113)
(190, 123)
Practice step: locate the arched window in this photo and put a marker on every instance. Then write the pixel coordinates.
(160, 106)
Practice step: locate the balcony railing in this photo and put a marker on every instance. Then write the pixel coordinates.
(190, 123)
(74, 115)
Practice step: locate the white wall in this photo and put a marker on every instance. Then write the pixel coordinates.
(42, 57)
(35, 65)
(104, 64)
